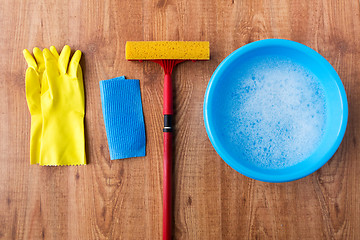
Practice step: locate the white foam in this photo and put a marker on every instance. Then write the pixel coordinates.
(278, 113)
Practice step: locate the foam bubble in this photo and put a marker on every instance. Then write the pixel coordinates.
(278, 113)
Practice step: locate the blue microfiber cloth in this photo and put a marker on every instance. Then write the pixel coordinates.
(123, 117)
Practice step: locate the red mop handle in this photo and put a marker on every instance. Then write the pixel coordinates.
(167, 186)
(168, 111)
(168, 96)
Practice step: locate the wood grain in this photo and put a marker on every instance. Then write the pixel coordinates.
(123, 199)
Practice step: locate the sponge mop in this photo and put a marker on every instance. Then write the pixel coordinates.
(152, 50)
(167, 54)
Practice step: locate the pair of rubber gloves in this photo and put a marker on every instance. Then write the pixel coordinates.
(55, 97)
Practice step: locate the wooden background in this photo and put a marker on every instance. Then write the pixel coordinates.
(123, 199)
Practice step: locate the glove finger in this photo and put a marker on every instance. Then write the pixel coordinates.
(54, 52)
(52, 71)
(39, 59)
(74, 63)
(81, 87)
(51, 64)
(44, 83)
(32, 88)
(79, 74)
(29, 59)
(64, 59)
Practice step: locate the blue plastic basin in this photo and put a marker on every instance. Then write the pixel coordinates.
(335, 97)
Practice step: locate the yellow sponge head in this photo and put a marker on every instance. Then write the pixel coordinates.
(154, 50)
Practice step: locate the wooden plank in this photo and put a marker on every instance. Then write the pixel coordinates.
(123, 199)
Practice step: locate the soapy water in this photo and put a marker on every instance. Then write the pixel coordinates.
(278, 113)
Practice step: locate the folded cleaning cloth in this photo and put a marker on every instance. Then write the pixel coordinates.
(123, 117)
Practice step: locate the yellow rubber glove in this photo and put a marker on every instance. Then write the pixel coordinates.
(63, 109)
(34, 81)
